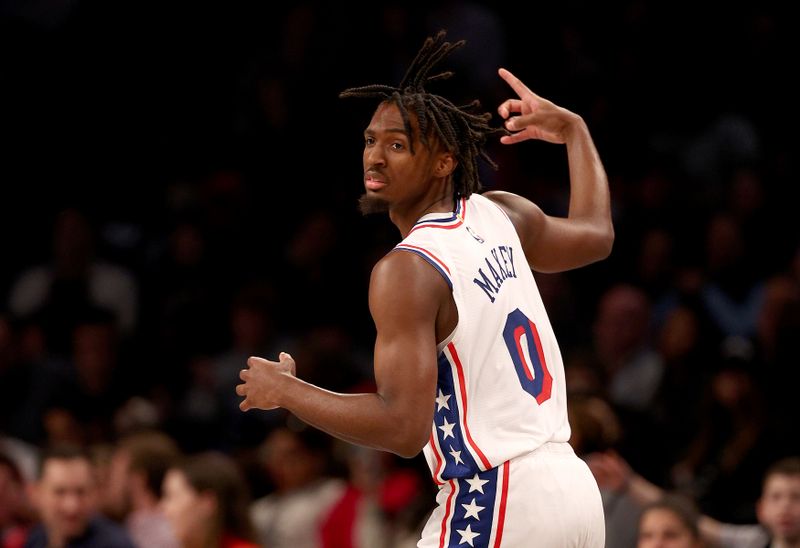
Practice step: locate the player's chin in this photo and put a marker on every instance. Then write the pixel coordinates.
(372, 202)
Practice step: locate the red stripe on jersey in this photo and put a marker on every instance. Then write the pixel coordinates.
(443, 535)
(547, 380)
(460, 218)
(501, 513)
(426, 252)
(439, 466)
(463, 389)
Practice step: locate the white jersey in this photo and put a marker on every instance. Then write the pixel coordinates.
(501, 390)
(500, 429)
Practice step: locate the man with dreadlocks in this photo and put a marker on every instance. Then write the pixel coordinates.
(466, 363)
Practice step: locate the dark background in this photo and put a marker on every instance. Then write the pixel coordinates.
(106, 103)
(224, 116)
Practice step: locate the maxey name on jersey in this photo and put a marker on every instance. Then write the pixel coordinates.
(500, 267)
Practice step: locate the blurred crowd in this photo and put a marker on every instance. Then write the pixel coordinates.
(218, 220)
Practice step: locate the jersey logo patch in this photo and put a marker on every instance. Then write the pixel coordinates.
(474, 234)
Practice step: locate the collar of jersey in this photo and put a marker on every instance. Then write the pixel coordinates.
(440, 217)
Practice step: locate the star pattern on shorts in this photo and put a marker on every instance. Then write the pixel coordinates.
(441, 401)
(457, 457)
(472, 510)
(447, 428)
(467, 535)
(476, 483)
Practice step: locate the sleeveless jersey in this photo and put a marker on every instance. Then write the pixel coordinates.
(500, 391)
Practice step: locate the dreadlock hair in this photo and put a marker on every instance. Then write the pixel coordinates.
(462, 129)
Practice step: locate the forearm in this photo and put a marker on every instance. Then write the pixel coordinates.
(362, 419)
(709, 530)
(641, 490)
(589, 195)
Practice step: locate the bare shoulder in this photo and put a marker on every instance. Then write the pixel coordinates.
(404, 279)
(404, 269)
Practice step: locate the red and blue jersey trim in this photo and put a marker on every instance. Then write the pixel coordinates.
(448, 223)
(435, 261)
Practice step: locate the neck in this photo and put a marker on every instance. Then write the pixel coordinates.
(404, 218)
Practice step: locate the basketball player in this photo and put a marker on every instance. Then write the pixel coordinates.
(466, 362)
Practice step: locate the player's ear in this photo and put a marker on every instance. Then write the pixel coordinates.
(445, 164)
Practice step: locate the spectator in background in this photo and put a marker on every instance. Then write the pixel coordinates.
(688, 358)
(670, 522)
(81, 407)
(778, 327)
(622, 342)
(383, 504)
(720, 468)
(31, 375)
(733, 292)
(596, 428)
(291, 516)
(253, 334)
(632, 368)
(777, 508)
(66, 499)
(75, 280)
(16, 513)
(138, 465)
(206, 500)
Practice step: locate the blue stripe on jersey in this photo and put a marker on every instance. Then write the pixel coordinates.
(454, 448)
(446, 220)
(431, 261)
(473, 510)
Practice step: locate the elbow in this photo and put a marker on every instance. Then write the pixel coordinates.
(606, 244)
(408, 444)
(408, 449)
(409, 452)
(602, 240)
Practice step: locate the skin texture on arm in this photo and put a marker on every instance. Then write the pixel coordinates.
(554, 244)
(405, 297)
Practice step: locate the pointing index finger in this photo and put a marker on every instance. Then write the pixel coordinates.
(515, 83)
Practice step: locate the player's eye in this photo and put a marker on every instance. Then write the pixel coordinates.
(398, 146)
(369, 140)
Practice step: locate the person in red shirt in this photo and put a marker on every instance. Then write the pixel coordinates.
(206, 500)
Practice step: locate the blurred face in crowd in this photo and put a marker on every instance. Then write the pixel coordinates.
(116, 498)
(289, 464)
(662, 528)
(779, 507)
(65, 496)
(191, 513)
(11, 495)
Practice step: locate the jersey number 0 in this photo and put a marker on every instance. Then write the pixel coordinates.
(526, 353)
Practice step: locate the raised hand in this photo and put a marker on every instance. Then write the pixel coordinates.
(533, 117)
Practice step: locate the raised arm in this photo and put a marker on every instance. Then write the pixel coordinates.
(404, 296)
(554, 244)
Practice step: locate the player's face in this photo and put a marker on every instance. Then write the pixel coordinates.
(779, 506)
(661, 528)
(66, 496)
(393, 176)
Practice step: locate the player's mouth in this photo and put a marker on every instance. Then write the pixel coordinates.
(373, 182)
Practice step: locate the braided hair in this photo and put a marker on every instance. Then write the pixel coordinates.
(462, 129)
